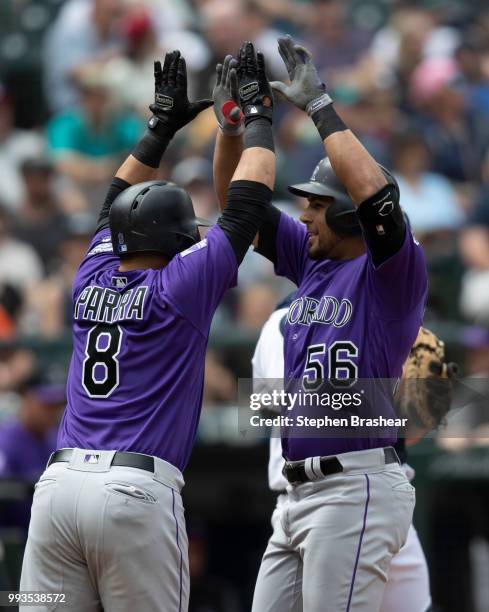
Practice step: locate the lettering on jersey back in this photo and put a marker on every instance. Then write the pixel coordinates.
(329, 310)
(104, 305)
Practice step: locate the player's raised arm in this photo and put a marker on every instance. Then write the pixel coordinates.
(250, 190)
(352, 163)
(171, 111)
(371, 188)
(230, 119)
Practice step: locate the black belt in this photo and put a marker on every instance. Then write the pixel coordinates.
(295, 472)
(121, 458)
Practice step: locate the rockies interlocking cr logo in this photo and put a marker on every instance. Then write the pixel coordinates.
(248, 91)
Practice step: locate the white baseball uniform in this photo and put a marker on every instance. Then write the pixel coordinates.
(407, 588)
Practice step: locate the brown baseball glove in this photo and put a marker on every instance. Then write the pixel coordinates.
(425, 391)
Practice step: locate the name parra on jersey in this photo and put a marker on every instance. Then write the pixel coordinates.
(329, 310)
(104, 305)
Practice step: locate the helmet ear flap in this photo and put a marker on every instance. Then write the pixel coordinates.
(342, 219)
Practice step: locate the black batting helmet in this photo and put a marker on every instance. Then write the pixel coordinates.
(341, 214)
(153, 216)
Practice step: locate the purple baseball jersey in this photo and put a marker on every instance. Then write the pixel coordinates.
(139, 340)
(349, 319)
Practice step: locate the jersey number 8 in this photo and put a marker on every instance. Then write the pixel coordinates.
(100, 375)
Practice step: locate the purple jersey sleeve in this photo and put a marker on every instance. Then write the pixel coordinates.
(99, 257)
(196, 279)
(292, 249)
(400, 283)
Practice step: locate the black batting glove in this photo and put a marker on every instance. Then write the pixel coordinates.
(255, 93)
(172, 109)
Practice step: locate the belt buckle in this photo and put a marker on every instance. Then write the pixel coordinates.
(289, 464)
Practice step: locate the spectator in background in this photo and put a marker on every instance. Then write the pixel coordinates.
(456, 137)
(27, 441)
(15, 146)
(49, 305)
(39, 221)
(474, 73)
(225, 24)
(84, 30)
(219, 382)
(428, 198)
(20, 266)
(332, 39)
(412, 35)
(256, 303)
(135, 64)
(88, 142)
(194, 174)
(16, 363)
(474, 248)
(33, 432)
(11, 303)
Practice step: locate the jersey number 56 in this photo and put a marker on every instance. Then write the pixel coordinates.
(342, 370)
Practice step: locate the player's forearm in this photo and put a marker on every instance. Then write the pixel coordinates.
(142, 165)
(133, 171)
(227, 154)
(145, 159)
(352, 163)
(258, 165)
(257, 161)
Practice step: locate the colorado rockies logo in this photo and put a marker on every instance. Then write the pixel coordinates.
(248, 91)
(164, 102)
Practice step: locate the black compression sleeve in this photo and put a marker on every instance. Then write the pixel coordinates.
(116, 187)
(383, 223)
(267, 238)
(244, 213)
(259, 133)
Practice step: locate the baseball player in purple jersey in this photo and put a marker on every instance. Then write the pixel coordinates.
(107, 527)
(407, 588)
(362, 287)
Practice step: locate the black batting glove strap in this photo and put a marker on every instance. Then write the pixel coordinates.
(327, 121)
(255, 93)
(150, 149)
(171, 107)
(259, 133)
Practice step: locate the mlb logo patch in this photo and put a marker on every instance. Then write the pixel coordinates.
(91, 458)
(119, 282)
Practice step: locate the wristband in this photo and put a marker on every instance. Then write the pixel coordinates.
(318, 104)
(258, 133)
(328, 121)
(153, 144)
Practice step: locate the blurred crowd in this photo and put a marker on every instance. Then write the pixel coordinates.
(411, 79)
(76, 78)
